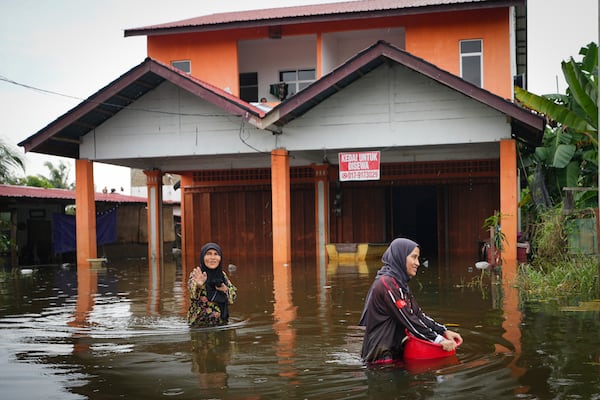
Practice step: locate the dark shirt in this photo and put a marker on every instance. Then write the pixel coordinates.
(389, 312)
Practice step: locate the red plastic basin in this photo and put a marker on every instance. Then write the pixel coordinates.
(419, 349)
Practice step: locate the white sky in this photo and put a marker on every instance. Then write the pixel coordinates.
(76, 47)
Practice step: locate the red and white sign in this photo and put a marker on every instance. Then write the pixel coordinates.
(359, 166)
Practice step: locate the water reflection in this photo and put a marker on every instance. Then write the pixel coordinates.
(284, 314)
(119, 331)
(211, 353)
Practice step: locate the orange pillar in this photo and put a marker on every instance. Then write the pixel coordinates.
(85, 215)
(509, 200)
(319, 50)
(280, 196)
(155, 232)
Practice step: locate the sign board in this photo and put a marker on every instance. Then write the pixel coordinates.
(359, 166)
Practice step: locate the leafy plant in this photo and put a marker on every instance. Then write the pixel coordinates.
(9, 160)
(497, 237)
(569, 152)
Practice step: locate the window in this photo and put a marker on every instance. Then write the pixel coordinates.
(249, 86)
(298, 79)
(471, 61)
(184, 65)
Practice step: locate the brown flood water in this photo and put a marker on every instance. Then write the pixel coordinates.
(119, 332)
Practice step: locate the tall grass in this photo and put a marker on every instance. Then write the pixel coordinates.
(556, 272)
(571, 277)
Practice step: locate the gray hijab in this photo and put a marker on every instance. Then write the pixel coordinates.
(394, 261)
(394, 265)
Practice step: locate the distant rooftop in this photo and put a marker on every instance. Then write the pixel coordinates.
(44, 193)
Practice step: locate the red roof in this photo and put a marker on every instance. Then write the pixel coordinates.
(44, 193)
(299, 14)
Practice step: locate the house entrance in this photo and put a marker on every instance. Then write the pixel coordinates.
(415, 216)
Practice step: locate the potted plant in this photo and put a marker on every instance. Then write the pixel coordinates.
(497, 238)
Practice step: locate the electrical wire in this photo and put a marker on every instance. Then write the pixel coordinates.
(34, 88)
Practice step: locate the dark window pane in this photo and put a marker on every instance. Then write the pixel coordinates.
(249, 94)
(471, 69)
(185, 66)
(248, 78)
(470, 46)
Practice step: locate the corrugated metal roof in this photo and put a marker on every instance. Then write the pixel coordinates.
(312, 13)
(44, 193)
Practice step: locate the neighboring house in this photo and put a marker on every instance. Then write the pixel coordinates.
(37, 223)
(427, 83)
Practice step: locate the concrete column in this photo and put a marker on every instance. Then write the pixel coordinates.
(321, 208)
(85, 214)
(509, 200)
(188, 212)
(280, 194)
(155, 219)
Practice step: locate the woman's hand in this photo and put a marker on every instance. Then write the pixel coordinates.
(453, 337)
(223, 288)
(198, 276)
(448, 344)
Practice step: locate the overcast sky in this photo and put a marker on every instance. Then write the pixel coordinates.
(73, 48)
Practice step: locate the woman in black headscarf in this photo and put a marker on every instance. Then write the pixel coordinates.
(211, 291)
(391, 309)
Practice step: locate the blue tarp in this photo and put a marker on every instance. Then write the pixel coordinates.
(64, 237)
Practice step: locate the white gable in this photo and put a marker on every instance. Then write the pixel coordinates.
(392, 108)
(395, 106)
(170, 121)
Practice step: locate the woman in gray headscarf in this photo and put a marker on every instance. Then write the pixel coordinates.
(391, 309)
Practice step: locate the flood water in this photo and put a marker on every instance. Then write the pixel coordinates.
(119, 332)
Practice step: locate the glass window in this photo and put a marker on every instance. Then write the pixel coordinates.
(297, 79)
(184, 65)
(249, 86)
(471, 61)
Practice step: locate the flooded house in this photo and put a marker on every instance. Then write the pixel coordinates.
(298, 127)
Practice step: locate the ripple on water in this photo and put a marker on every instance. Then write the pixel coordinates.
(173, 392)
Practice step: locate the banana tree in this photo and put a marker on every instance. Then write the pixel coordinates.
(569, 152)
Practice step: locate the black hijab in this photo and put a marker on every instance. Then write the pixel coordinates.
(213, 276)
(394, 265)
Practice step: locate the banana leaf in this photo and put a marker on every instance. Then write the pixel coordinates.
(590, 58)
(582, 89)
(556, 112)
(563, 155)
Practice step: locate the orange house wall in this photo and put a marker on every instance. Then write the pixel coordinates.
(213, 56)
(433, 37)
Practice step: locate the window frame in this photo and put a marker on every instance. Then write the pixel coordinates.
(189, 64)
(294, 85)
(470, 54)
